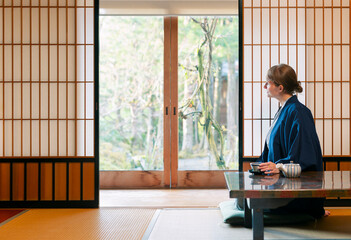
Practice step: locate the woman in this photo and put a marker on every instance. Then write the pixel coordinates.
(292, 135)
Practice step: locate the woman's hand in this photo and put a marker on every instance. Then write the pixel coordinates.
(268, 168)
(269, 180)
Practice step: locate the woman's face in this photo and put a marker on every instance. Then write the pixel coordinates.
(273, 90)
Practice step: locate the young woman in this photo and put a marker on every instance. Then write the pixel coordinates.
(292, 135)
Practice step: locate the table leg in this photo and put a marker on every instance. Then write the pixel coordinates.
(247, 215)
(257, 223)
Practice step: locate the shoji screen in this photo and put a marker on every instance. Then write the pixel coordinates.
(314, 38)
(47, 103)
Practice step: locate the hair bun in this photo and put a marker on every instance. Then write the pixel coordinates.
(299, 89)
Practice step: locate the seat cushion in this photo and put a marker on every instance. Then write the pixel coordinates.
(232, 215)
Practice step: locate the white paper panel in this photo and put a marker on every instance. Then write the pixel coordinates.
(81, 138)
(26, 138)
(62, 138)
(345, 63)
(80, 63)
(256, 26)
(328, 137)
(248, 138)
(71, 25)
(2, 134)
(53, 138)
(44, 53)
(35, 63)
(337, 100)
(71, 138)
(35, 138)
(345, 137)
(80, 26)
(310, 97)
(89, 26)
(283, 26)
(328, 63)
(319, 63)
(310, 63)
(247, 100)
(346, 100)
(71, 63)
(71, 100)
(8, 63)
(336, 138)
(302, 96)
(336, 25)
(62, 63)
(327, 26)
(53, 25)
(53, 63)
(17, 138)
(247, 26)
(44, 98)
(283, 57)
(336, 63)
(265, 128)
(247, 63)
(53, 100)
(89, 138)
(274, 55)
(1, 65)
(17, 96)
(89, 63)
(44, 27)
(301, 66)
(62, 100)
(26, 100)
(274, 26)
(16, 63)
(62, 25)
(35, 25)
(301, 25)
(310, 25)
(256, 63)
(257, 147)
(292, 26)
(319, 129)
(1, 29)
(345, 3)
(345, 25)
(35, 100)
(327, 3)
(44, 141)
(8, 25)
(283, 3)
(319, 100)
(8, 100)
(292, 57)
(1, 103)
(25, 66)
(35, 2)
(328, 100)
(257, 96)
(8, 138)
(80, 99)
(16, 25)
(89, 100)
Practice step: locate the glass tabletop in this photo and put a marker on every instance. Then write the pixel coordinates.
(309, 184)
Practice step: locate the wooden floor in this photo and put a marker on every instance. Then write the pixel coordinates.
(123, 214)
(163, 198)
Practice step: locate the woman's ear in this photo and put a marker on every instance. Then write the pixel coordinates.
(281, 88)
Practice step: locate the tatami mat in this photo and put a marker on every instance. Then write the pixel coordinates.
(103, 223)
(207, 224)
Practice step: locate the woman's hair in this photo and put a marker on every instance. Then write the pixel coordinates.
(285, 75)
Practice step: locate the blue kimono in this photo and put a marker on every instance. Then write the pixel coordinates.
(294, 138)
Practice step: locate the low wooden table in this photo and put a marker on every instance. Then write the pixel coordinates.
(265, 192)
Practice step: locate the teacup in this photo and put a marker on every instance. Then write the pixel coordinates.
(254, 166)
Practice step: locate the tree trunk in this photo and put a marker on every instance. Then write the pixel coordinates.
(232, 107)
(188, 130)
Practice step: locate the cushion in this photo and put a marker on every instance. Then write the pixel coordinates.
(232, 215)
